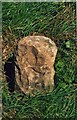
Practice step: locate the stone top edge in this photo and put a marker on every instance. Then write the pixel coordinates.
(38, 36)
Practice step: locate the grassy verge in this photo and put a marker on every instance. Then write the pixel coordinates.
(57, 21)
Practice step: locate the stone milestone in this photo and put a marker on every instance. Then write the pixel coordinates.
(35, 60)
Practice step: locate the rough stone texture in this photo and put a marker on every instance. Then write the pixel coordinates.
(35, 61)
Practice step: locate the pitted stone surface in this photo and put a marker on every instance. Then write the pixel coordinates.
(35, 60)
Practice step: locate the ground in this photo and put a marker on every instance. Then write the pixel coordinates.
(56, 21)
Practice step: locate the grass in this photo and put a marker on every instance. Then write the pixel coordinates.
(56, 21)
(58, 104)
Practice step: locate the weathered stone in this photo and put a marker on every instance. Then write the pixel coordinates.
(35, 59)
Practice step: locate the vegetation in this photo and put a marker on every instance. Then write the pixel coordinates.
(56, 21)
